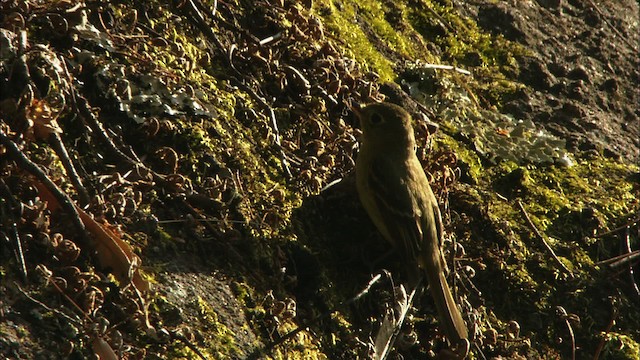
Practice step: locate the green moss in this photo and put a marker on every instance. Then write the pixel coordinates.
(620, 347)
(375, 15)
(462, 40)
(164, 240)
(220, 340)
(340, 24)
(468, 160)
(598, 183)
(462, 43)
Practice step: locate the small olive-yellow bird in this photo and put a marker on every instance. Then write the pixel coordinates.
(395, 192)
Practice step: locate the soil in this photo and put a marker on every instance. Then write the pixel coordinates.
(583, 68)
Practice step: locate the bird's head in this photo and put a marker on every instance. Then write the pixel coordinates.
(385, 124)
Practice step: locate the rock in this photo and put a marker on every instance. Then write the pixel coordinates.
(579, 73)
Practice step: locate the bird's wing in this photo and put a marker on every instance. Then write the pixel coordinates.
(417, 234)
(396, 205)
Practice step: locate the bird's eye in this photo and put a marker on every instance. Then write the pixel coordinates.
(376, 119)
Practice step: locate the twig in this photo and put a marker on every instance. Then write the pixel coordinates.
(57, 141)
(331, 184)
(542, 237)
(56, 311)
(479, 350)
(61, 150)
(232, 25)
(29, 166)
(620, 259)
(622, 227)
(566, 317)
(367, 288)
(612, 321)
(388, 340)
(96, 126)
(604, 18)
(442, 21)
(189, 344)
(13, 228)
(627, 245)
(271, 38)
(143, 306)
(69, 299)
(501, 197)
(18, 251)
(446, 67)
(203, 8)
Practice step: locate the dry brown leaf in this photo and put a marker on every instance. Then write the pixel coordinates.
(103, 350)
(113, 252)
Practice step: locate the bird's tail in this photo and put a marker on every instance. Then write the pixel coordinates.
(450, 317)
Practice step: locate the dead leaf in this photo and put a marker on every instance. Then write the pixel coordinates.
(113, 252)
(103, 350)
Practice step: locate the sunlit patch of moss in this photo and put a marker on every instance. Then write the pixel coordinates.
(554, 197)
(180, 350)
(461, 38)
(244, 293)
(468, 160)
(220, 340)
(464, 44)
(582, 260)
(495, 91)
(620, 347)
(303, 345)
(340, 24)
(598, 183)
(376, 14)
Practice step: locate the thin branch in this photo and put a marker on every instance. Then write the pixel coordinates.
(18, 251)
(622, 227)
(441, 20)
(32, 168)
(56, 311)
(627, 245)
(61, 151)
(446, 67)
(566, 317)
(385, 339)
(69, 299)
(7, 198)
(542, 237)
(604, 18)
(58, 145)
(96, 126)
(189, 344)
(620, 259)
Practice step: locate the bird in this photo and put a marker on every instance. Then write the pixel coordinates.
(394, 190)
